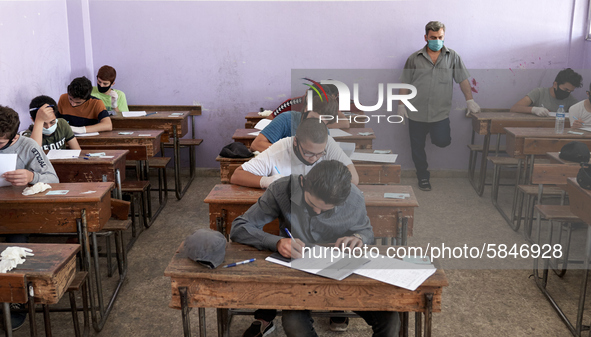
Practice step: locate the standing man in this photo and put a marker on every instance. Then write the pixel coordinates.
(431, 70)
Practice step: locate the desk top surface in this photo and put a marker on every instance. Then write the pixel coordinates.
(555, 156)
(487, 116)
(158, 115)
(84, 160)
(183, 267)
(244, 134)
(48, 259)
(254, 115)
(546, 133)
(12, 194)
(585, 193)
(374, 195)
(115, 134)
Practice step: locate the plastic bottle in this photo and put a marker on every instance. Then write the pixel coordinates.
(559, 125)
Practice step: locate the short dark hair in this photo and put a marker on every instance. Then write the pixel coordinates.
(312, 130)
(80, 87)
(329, 180)
(322, 105)
(434, 26)
(38, 102)
(107, 73)
(570, 76)
(9, 122)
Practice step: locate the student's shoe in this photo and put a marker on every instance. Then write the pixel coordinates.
(17, 319)
(256, 329)
(424, 184)
(339, 324)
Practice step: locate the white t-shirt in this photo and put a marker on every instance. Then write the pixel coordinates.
(578, 111)
(280, 159)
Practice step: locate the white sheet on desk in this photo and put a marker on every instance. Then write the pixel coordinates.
(133, 113)
(338, 133)
(7, 164)
(375, 157)
(396, 272)
(348, 148)
(256, 133)
(88, 134)
(586, 129)
(63, 154)
(262, 124)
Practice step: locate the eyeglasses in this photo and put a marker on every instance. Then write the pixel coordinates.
(309, 154)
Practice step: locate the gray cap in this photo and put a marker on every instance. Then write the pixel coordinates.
(206, 246)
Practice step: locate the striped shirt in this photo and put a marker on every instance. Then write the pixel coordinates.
(90, 112)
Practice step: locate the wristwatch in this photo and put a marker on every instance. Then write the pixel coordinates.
(358, 236)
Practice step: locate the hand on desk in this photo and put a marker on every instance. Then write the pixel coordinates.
(290, 248)
(472, 107)
(576, 124)
(538, 111)
(266, 181)
(349, 241)
(20, 177)
(78, 129)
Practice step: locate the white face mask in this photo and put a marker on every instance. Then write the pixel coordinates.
(51, 129)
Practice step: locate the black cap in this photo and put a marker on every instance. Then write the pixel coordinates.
(206, 246)
(236, 150)
(575, 151)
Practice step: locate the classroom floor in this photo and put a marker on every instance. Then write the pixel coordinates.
(478, 302)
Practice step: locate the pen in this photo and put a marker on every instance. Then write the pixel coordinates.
(288, 233)
(277, 170)
(151, 113)
(238, 263)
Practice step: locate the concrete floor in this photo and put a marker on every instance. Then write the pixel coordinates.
(480, 300)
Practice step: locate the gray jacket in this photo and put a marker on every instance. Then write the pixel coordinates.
(31, 157)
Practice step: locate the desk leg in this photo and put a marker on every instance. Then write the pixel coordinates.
(479, 185)
(7, 321)
(418, 324)
(185, 311)
(32, 323)
(178, 188)
(428, 313)
(118, 184)
(583, 292)
(511, 217)
(403, 324)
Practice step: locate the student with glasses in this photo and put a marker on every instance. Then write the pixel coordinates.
(49, 131)
(83, 112)
(580, 113)
(293, 155)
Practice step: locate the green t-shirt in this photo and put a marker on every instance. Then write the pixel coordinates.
(121, 101)
(57, 140)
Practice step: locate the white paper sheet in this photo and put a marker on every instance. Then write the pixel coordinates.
(256, 133)
(348, 148)
(63, 154)
(263, 124)
(133, 113)
(586, 129)
(397, 272)
(338, 133)
(7, 164)
(88, 134)
(374, 157)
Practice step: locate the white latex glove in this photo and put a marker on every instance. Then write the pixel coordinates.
(538, 111)
(13, 256)
(266, 181)
(472, 107)
(78, 129)
(114, 97)
(402, 112)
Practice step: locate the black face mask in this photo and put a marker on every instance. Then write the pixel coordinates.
(560, 94)
(102, 90)
(299, 155)
(7, 144)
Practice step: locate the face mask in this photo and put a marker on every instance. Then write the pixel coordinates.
(435, 45)
(7, 144)
(300, 157)
(102, 90)
(51, 129)
(560, 94)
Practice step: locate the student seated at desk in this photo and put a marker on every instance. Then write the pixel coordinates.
(579, 114)
(285, 124)
(113, 99)
(32, 166)
(541, 101)
(50, 132)
(84, 112)
(322, 207)
(292, 155)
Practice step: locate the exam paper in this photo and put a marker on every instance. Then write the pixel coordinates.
(374, 157)
(586, 129)
(88, 134)
(7, 164)
(396, 272)
(133, 113)
(262, 124)
(256, 133)
(348, 148)
(63, 154)
(338, 133)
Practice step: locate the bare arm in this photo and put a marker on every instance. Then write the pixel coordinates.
(466, 89)
(73, 144)
(343, 122)
(523, 105)
(354, 175)
(260, 143)
(103, 125)
(37, 133)
(244, 178)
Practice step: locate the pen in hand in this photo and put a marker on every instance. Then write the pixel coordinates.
(238, 263)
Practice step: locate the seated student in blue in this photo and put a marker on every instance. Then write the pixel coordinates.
(285, 124)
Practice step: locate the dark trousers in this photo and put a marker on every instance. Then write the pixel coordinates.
(440, 134)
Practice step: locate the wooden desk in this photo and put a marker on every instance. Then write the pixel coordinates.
(580, 200)
(370, 173)
(488, 123)
(266, 285)
(70, 213)
(140, 147)
(252, 118)
(361, 142)
(226, 202)
(175, 126)
(554, 158)
(522, 142)
(93, 169)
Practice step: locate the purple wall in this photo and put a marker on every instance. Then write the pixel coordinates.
(234, 57)
(34, 53)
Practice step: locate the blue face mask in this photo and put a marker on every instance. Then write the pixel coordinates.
(50, 130)
(435, 45)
